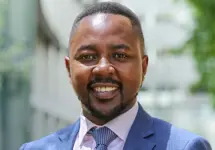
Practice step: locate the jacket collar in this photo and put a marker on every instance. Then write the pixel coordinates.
(141, 130)
(138, 136)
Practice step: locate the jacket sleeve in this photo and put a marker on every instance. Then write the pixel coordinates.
(198, 143)
(23, 147)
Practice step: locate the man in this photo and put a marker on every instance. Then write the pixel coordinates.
(106, 67)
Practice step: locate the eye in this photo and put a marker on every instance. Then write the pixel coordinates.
(120, 56)
(87, 57)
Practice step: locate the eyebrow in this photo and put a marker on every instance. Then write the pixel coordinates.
(87, 47)
(92, 47)
(119, 46)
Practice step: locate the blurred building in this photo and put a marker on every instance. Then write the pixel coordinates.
(165, 25)
(17, 37)
(53, 101)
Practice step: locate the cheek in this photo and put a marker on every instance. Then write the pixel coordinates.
(79, 77)
(131, 77)
(133, 82)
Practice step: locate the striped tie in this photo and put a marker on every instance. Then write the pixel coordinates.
(103, 137)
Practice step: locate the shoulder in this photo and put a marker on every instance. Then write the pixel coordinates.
(179, 138)
(186, 140)
(50, 141)
(40, 143)
(198, 143)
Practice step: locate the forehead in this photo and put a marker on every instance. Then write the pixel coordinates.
(101, 21)
(101, 25)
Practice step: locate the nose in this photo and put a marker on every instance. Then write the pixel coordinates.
(103, 68)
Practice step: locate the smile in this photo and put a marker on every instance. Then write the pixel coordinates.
(105, 91)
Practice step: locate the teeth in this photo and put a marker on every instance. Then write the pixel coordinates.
(105, 89)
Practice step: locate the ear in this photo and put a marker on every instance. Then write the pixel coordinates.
(67, 64)
(145, 60)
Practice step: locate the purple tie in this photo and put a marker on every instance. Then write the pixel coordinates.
(103, 137)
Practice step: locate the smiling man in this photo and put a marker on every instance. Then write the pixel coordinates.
(106, 67)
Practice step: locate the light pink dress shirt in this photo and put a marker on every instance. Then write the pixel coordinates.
(120, 126)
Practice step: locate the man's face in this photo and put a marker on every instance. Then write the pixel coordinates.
(105, 64)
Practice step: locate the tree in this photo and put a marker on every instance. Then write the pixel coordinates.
(15, 62)
(202, 44)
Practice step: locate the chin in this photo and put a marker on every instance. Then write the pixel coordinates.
(104, 116)
(106, 113)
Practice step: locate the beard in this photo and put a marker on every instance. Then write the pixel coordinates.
(91, 109)
(114, 111)
(110, 114)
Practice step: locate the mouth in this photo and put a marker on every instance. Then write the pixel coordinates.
(104, 91)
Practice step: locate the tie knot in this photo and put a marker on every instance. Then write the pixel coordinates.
(103, 136)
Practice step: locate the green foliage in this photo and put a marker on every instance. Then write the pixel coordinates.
(202, 44)
(13, 58)
(3, 11)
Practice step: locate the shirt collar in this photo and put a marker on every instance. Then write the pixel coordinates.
(115, 125)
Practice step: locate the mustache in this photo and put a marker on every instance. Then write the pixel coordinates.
(104, 80)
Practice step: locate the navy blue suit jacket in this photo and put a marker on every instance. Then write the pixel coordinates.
(146, 133)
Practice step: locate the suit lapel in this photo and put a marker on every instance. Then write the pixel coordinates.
(141, 130)
(68, 135)
(138, 136)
